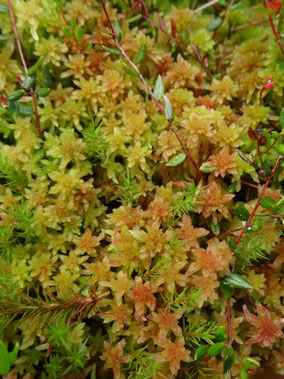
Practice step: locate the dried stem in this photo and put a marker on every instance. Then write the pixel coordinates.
(25, 67)
(207, 5)
(149, 90)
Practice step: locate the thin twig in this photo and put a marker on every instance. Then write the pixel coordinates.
(149, 90)
(25, 67)
(280, 43)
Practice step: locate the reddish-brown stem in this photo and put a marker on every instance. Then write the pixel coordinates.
(250, 298)
(230, 339)
(25, 67)
(260, 197)
(149, 90)
(280, 43)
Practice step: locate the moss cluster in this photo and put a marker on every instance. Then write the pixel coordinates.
(118, 254)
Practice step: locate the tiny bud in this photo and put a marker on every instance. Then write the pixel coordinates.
(273, 7)
(262, 141)
(252, 134)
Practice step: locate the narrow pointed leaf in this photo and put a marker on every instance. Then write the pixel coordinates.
(159, 88)
(35, 66)
(168, 108)
(117, 29)
(79, 34)
(46, 76)
(176, 160)
(4, 359)
(13, 354)
(73, 23)
(215, 24)
(237, 281)
(282, 118)
(111, 50)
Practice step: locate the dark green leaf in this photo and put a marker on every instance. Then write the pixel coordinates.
(241, 212)
(25, 111)
(159, 88)
(13, 108)
(220, 335)
(89, 47)
(46, 76)
(227, 363)
(215, 349)
(122, 5)
(200, 352)
(79, 34)
(117, 29)
(141, 53)
(42, 92)
(232, 187)
(229, 352)
(236, 281)
(231, 243)
(16, 95)
(267, 202)
(215, 24)
(111, 50)
(3, 8)
(176, 160)
(168, 108)
(268, 138)
(29, 82)
(227, 290)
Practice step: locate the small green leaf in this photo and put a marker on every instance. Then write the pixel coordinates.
(46, 76)
(227, 363)
(227, 290)
(236, 281)
(3, 8)
(42, 92)
(244, 374)
(215, 349)
(111, 50)
(279, 203)
(207, 169)
(13, 354)
(234, 6)
(281, 66)
(282, 118)
(79, 34)
(13, 108)
(220, 335)
(200, 352)
(232, 187)
(215, 24)
(67, 32)
(267, 202)
(122, 5)
(89, 47)
(107, 35)
(25, 111)
(4, 359)
(229, 352)
(168, 108)
(231, 243)
(257, 225)
(215, 228)
(176, 160)
(279, 147)
(159, 88)
(252, 362)
(38, 155)
(16, 95)
(241, 212)
(141, 53)
(35, 66)
(29, 82)
(129, 70)
(73, 23)
(117, 29)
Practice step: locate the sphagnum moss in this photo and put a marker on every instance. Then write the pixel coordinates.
(141, 207)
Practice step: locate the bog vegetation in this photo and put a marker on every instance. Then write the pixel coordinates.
(141, 206)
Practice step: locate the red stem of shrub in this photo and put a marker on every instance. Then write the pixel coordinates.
(280, 43)
(25, 67)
